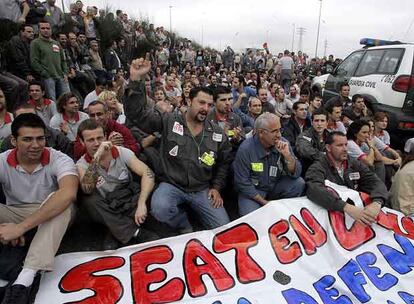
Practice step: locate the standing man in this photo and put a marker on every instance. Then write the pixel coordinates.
(54, 15)
(40, 185)
(195, 155)
(338, 168)
(48, 61)
(286, 65)
(18, 60)
(13, 10)
(265, 167)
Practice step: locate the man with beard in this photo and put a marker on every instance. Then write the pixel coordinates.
(338, 168)
(265, 167)
(223, 115)
(195, 155)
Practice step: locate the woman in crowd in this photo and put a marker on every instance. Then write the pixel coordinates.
(362, 147)
(114, 106)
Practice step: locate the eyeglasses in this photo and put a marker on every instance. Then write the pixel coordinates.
(97, 114)
(275, 131)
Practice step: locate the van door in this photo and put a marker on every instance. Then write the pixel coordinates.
(342, 73)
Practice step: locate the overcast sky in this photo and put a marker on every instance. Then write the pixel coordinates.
(241, 24)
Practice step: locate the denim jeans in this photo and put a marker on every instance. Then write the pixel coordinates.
(55, 87)
(166, 206)
(286, 187)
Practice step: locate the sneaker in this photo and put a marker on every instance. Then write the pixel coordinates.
(144, 236)
(17, 294)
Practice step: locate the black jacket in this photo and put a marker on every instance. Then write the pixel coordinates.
(291, 130)
(18, 57)
(189, 163)
(111, 61)
(309, 148)
(357, 176)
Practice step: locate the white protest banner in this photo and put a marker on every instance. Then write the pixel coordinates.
(289, 251)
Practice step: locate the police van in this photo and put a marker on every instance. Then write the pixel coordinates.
(383, 72)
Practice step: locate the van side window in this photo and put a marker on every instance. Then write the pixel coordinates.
(391, 61)
(348, 66)
(370, 62)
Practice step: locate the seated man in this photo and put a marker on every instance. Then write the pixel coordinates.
(334, 110)
(310, 144)
(338, 168)
(116, 133)
(112, 197)
(40, 185)
(45, 107)
(53, 138)
(195, 155)
(266, 105)
(255, 109)
(358, 109)
(68, 118)
(297, 123)
(283, 106)
(101, 85)
(223, 115)
(265, 167)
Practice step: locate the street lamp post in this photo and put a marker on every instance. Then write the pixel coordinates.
(170, 19)
(293, 36)
(319, 25)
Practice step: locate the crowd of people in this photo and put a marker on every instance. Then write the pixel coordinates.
(153, 137)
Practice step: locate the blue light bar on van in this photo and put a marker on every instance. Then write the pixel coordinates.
(377, 42)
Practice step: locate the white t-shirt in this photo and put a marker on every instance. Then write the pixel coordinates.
(23, 188)
(286, 63)
(355, 151)
(92, 96)
(73, 124)
(118, 167)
